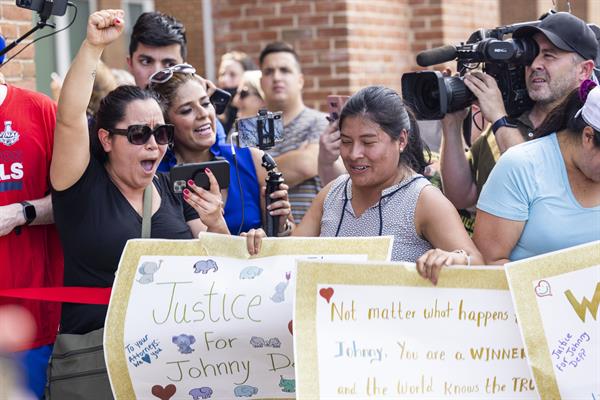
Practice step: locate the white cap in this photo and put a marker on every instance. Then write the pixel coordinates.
(590, 112)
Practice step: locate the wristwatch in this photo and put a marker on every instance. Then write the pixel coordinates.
(503, 121)
(28, 212)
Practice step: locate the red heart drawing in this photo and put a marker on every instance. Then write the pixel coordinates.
(164, 393)
(291, 327)
(326, 293)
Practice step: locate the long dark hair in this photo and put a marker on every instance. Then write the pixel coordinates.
(386, 108)
(563, 118)
(112, 111)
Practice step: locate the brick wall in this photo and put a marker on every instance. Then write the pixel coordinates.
(317, 29)
(14, 22)
(343, 44)
(189, 12)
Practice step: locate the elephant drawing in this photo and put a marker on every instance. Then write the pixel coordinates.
(203, 266)
(147, 271)
(184, 343)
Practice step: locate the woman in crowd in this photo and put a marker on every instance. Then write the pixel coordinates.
(187, 106)
(232, 67)
(544, 195)
(384, 192)
(98, 197)
(249, 97)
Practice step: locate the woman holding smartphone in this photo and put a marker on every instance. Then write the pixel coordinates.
(98, 196)
(185, 97)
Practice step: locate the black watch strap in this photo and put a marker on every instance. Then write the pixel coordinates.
(503, 121)
(28, 212)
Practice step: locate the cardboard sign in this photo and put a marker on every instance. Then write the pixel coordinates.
(365, 331)
(557, 297)
(201, 319)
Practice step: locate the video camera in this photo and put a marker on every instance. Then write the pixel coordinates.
(431, 95)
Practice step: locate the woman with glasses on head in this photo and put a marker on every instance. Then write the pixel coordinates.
(185, 98)
(98, 195)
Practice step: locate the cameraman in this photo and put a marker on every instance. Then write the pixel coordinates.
(567, 50)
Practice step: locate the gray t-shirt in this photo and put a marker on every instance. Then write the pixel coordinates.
(305, 128)
(393, 214)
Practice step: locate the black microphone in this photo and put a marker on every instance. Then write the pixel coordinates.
(436, 56)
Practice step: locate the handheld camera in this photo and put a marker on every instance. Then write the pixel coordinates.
(432, 95)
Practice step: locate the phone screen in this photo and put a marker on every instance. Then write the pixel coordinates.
(335, 104)
(248, 130)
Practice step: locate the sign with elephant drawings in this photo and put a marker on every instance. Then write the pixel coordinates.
(557, 299)
(201, 319)
(372, 330)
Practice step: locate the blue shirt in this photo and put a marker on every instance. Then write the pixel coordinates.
(221, 135)
(243, 207)
(530, 183)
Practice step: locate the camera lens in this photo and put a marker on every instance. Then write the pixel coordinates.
(429, 94)
(459, 96)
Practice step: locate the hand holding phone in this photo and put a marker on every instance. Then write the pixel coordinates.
(220, 99)
(182, 173)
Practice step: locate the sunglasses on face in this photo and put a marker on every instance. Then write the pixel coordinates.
(140, 134)
(244, 93)
(164, 75)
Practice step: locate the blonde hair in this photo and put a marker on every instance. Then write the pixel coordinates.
(242, 58)
(251, 80)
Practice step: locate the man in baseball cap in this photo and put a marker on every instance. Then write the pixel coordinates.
(567, 51)
(566, 32)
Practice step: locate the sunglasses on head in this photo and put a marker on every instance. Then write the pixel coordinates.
(164, 75)
(140, 134)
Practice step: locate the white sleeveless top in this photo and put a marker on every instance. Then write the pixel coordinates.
(393, 214)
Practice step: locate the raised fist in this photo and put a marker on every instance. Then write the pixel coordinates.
(105, 26)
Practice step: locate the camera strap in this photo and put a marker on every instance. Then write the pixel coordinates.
(147, 213)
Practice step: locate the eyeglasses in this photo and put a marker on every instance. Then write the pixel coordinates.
(164, 75)
(247, 92)
(140, 134)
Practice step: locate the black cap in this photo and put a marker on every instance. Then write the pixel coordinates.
(565, 31)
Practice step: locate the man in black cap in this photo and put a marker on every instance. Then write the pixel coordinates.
(567, 50)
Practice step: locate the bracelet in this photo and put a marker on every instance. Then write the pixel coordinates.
(465, 254)
(287, 229)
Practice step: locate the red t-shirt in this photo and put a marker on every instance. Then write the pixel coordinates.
(34, 257)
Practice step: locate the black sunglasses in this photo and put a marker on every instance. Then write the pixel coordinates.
(140, 134)
(164, 75)
(246, 92)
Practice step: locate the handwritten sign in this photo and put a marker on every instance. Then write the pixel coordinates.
(382, 331)
(557, 297)
(199, 319)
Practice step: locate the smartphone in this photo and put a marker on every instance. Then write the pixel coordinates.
(335, 103)
(220, 99)
(59, 7)
(182, 173)
(272, 128)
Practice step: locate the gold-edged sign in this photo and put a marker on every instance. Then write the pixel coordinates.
(202, 319)
(379, 330)
(557, 297)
